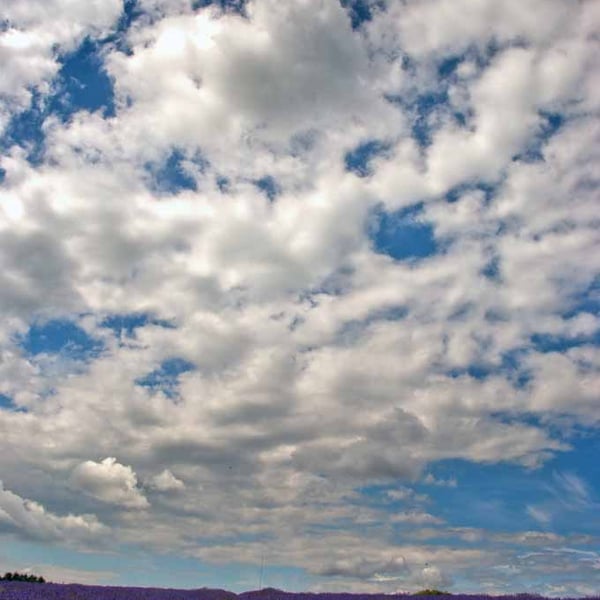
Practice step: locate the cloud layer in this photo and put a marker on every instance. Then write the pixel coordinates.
(289, 261)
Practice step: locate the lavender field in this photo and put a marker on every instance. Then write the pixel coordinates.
(54, 591)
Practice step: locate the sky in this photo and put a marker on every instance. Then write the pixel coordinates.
(301, 294)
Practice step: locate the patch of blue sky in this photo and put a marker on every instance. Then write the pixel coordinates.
(551, 122)
(503, 492)
(488, 496)
(237, 6)
(166, 377)
(223, 183)
(269, 186)
(524, 418)
(175, 173)
(60, 336)
(358, 160)
(7, 403)
(492, 270)
(511, 363)
(81, 84)
(510, 366)
(126, 324)
(361, 11)
(25, 130)
(131, 12)
(448, 65)
(423, 110)
(117, 38)
(428, 109)
(555, 343)
(478, 56)
(488, 188)
(166, 570)
(389, 313)
(569, 509)
(495, 497)
(475, 371)
(401, 235)
(585, 301)
(133, 566)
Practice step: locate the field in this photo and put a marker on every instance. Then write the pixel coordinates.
(54, 591)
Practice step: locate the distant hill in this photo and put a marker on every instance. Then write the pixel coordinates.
(205, 593)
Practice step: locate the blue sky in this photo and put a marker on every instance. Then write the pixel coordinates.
(307, 285)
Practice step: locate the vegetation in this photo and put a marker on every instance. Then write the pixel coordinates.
(22, 577)
(429, 592)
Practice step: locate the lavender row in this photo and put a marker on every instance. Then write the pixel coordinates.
(12, 590)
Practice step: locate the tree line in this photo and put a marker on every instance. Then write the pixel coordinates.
(22, 577)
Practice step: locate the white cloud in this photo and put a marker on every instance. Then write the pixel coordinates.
(109, 481)
(573, 491)
(430, 479)
(406, 494)
(416, 517)
(433, 577)
(165, 482)
(31, 520)
(539, 514)
(364, 568)
(439, 26)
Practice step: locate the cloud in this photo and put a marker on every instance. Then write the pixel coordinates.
(430, 479)
(540, 515)
(363, 568)
(109, 481)
(575, 488)
(415, 517)
(433, 577)
(32, 521)
(165, 482)
(329, 375)
(406, 494)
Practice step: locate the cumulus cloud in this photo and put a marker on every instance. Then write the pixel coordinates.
(30, 519)
(165, 482)
(364, 568)
(433, 577)
(109, 481)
